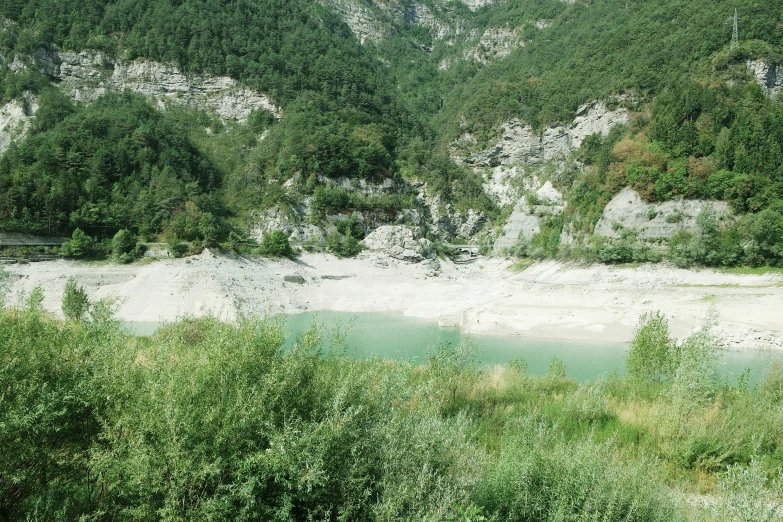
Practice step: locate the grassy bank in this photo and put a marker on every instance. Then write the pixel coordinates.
(207, 420)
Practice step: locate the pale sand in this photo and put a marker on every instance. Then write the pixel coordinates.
(548, 299)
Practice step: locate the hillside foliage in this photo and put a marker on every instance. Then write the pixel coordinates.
(387, 111)
(209, 420)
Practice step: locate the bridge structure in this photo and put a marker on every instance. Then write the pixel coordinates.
(472, 250)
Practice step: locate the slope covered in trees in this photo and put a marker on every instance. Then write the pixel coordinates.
(388, 108)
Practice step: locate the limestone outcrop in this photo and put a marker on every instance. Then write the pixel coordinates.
(768, 75)
(15, 119)
(398, 242)
(364, 24)
(86, 76)
(627, 210)
(525, 219)
(520, 144)
(374, 23)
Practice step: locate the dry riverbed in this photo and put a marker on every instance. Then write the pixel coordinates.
(547, 299)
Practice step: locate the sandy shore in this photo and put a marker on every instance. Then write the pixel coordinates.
(548, 299)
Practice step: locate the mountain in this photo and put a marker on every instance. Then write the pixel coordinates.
(515, 123)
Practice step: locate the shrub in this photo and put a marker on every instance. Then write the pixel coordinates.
(588, 404)
(75, 303)
(80, 246)
(696, 365)
(177, 248)
(745, 496)
(125, 247)
(772, 385)
(275, 243)
(674, 217)
(3, 286)
(538, 476)
(347, 246)
(557, 369)
(680, 249)
(652, 356)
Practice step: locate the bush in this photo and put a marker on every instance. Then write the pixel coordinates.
(275, 243)
(696, 361)
(538, 476)
(652, 356)
(75, 303)
(557, 369)
(177, 248)
(347, 246)
(81, 246)
(125, 247)
(3, 286)
(746, 496)
(588, 404)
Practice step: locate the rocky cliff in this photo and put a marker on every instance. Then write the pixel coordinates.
(627, 210)
(373, 21)
(768, 75)
(521, 144)
(15, 117)
(86, 76)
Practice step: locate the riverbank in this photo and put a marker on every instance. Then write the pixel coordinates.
(546, 300)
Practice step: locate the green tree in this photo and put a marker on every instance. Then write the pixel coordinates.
(652, 356)
(275, 243)
(80, 246)
(75, 303)
(125, 246)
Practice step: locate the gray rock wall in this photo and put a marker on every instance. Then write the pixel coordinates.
(769, 76)
(398, 242)
(85, 76)
(525, 219)
(653, 221)
(15, 118)
(520, 144)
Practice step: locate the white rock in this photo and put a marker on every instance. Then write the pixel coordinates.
(628, 210)
(15, 119)
(87, 76)
(520, 144)
(767, 75)
(396, 241)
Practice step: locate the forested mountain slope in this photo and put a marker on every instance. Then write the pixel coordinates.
(374, 108)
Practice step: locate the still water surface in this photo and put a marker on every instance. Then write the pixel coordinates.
(389, 335)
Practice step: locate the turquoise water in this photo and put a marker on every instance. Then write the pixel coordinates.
(389, 335)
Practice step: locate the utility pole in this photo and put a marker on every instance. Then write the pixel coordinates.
(735, 33)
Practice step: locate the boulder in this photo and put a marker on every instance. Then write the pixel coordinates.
(398, 242)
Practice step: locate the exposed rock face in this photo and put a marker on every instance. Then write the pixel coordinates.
(367, 188)
(494, 44)
(372, 24)
(520, 144)
(364, 24)
(525, 219)
(276, 219)
(398, 242)
(475, 4)
(499, 183)
(653, 221)
(767, 75)
(87, 76)
(15, 118)
(450, 224)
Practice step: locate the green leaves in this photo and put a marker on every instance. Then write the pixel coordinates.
(75, 303)
(653, 353)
